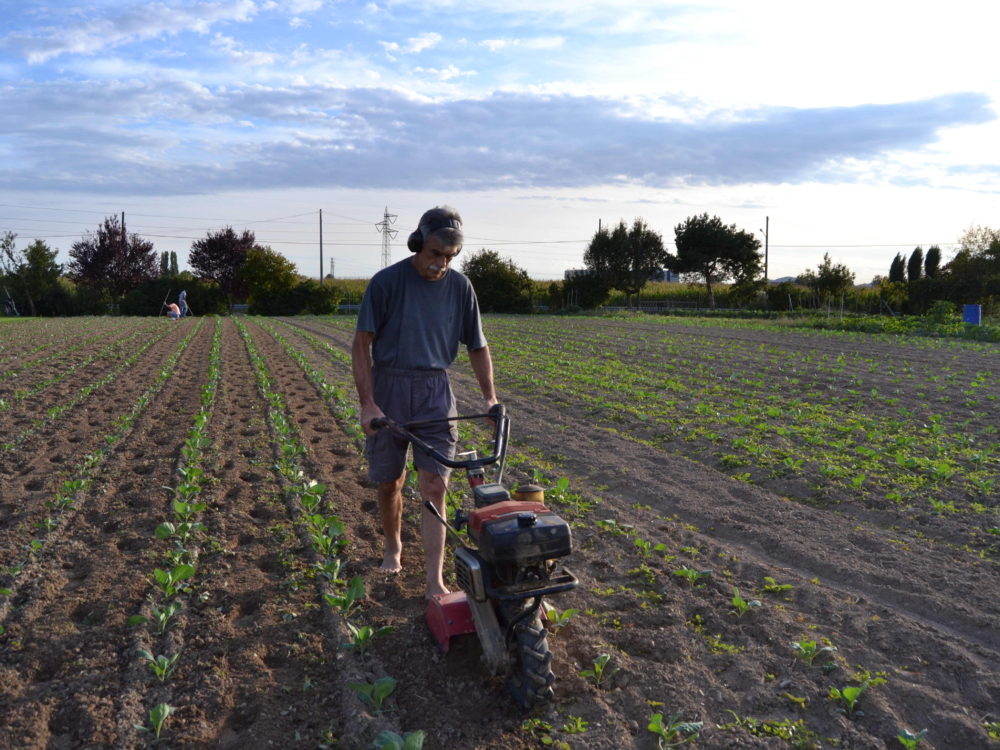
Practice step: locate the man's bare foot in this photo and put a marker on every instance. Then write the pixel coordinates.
(391, 563)
(437, 588)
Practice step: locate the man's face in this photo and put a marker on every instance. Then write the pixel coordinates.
(432, 262)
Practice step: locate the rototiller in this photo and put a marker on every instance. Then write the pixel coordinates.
(503, 582)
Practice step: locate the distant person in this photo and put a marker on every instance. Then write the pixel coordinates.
(173, 311)
(182, 301)
(10, 308)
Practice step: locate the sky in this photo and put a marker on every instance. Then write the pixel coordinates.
(859, 129)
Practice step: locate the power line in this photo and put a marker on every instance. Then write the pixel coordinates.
(388, 233)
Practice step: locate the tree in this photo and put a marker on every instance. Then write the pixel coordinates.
(174, 271)
(501, 285)
(897, 270)
(112, 261)
(219, 258)
(625, 258)
(932, 262)
(828, 280)
(267, 276)
(585, 290)
(715, 253)
(164, 264)
(915, 264)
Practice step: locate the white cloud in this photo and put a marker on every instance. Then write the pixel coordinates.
(238, 55)
(446, 74)
(297, 22)
(414, 44)
(536, 43)
(134, 22)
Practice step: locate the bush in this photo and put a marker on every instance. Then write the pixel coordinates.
(306, 297)
(66, 299)
(501, 285)
(203, 297)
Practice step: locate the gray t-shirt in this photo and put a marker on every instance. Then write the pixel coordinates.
(418, 324)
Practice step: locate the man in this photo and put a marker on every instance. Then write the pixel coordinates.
(413, 316)
(173, 311)
(182, 303)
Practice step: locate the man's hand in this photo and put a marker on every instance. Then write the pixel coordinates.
(489, 403)
(368, 413)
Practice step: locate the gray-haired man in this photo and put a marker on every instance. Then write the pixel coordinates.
(413, 316)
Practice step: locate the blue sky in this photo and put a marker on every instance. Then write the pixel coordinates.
(861, 129)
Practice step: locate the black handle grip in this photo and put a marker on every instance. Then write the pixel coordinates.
(379, 422)
(498, 409)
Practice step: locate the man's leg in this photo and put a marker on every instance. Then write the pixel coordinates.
(390, 508)
(433, 488)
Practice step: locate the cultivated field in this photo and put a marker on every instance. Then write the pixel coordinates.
(847, 483)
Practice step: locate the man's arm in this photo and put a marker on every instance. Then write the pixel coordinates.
(482, 366)
(361, 367)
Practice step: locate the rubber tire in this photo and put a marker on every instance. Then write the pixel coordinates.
(530, 678)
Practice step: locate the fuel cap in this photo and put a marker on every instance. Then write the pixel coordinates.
(526, 519)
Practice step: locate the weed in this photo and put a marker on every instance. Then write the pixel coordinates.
(771, 587)
(672, 734)
(600, 673)
(373, 695)
(575, 725)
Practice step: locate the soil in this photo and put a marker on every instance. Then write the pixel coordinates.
(261, 663)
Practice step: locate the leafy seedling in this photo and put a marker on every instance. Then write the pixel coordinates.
(161, 617)
(741, 604)
(373, 695)
(330, 570)
(185, 511)
(169, 580)
(849, 698)
(387, 740)
(346, 602)
(575, 725)
(807, 651)
(600, 674)
(672, 734)
(161, 665)
(909, 740)
(692, 575)
(771, 587)
(157, 716)
(361, 638)
(558, 620)
(183, 531)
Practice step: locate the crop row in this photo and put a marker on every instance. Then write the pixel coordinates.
(73, 488)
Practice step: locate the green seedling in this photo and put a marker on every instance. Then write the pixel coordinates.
(169, 580)
(849, 697)
(186, 492)
(940, 506)
(771, 587)
(47, 524)
(612, 526)
(558, 620)
(600, 674)
(694, 552)
(312, 494)
(346, 602)
(330, 570)
(375, 694)
(387, 740)
(185, 511)
(361, 638)
(909, 740)
(644, 547)
(692, 575)
(61, 503)
(538, 729)
(575, 725)
(992, 729)
(807, 651)
(326, 541)
(741, 604)
(161, 617)
(161, 665)
(183, 531)
(157, 717)
(672, 734)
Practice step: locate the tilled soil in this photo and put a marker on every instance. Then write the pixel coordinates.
(261, 663)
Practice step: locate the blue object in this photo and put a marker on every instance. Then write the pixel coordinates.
(972, 314)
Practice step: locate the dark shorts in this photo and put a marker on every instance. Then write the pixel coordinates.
(408, 396)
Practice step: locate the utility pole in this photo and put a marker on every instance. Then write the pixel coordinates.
(332, 274)
(388, 233)
(767, 232)
(321, 248)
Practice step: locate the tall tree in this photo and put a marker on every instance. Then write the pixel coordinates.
(174, 271)
(219, 257)
(715, 253)
(164, 264)
(915, 265)
(897, 271)
(828, 279)
(268, 275)
(111, 260)
(501, 285)
(625, 257)
(932, 262)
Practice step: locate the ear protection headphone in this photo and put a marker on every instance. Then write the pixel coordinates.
(415, 242)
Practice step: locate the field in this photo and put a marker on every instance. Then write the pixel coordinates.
(189, 489)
